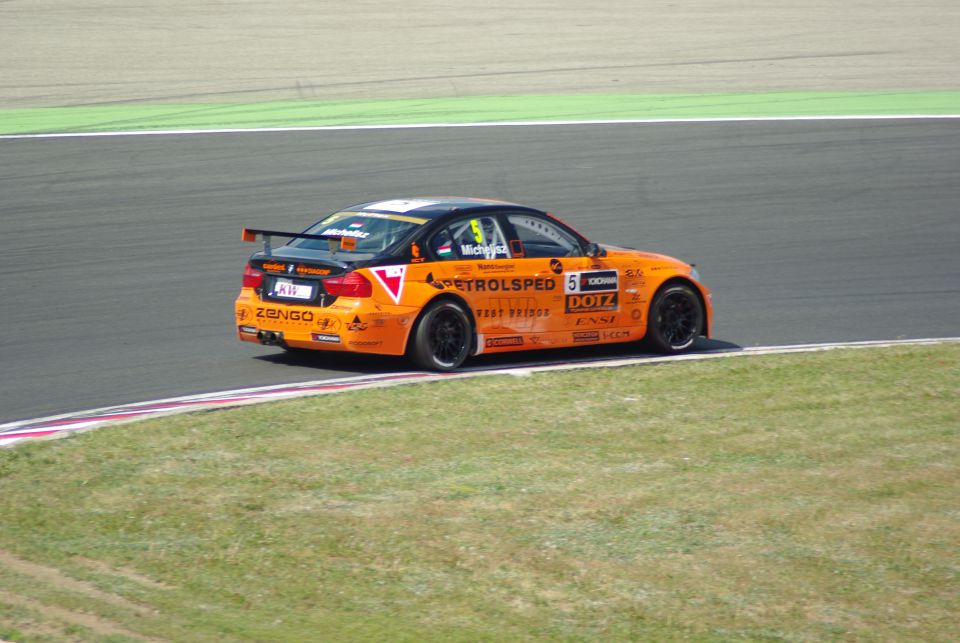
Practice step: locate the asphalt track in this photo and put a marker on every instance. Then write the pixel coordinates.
(121, 255)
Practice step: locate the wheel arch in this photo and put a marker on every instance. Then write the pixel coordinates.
(679, 279)
(448, 296)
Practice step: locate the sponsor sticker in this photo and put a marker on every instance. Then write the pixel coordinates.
(493, 342)
(391, 278)
(284, 314)
(591, 302)
(434, 282)
(511, 312)
(329, 324)
(356, 324)
(325, 338)
(495, 285)
(497, 267)
(303, 269)
(346, 232)
(586, 336)
(596, 320)
(365, 342)
(415, 253)
(505, 285)
(593, 281)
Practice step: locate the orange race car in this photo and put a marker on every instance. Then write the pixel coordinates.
(441, 279)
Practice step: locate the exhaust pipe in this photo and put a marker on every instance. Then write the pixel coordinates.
(269, 337)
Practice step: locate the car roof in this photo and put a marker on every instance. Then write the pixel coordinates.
(435, 207)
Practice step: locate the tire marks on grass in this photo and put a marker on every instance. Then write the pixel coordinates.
(52, 578)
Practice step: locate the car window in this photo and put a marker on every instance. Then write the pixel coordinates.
(373, 232)
(473, 238)
(543, 238)
(442, 245)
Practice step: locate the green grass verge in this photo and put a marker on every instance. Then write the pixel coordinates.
(585, 107)
(797, 497)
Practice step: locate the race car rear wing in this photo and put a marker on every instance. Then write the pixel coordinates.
(250, 234)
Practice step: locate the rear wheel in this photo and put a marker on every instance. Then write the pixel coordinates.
(676, 319)
(441, 341)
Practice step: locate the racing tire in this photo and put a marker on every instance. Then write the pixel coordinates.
(676, 319)
(443, 337)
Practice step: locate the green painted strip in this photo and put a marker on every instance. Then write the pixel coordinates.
(588, 107)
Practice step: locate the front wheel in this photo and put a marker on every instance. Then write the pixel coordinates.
(442, 339)
(676, 319)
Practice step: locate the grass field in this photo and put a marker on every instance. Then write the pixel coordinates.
(799, 497)
(472, 109)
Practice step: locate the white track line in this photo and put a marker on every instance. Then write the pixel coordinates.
(13, 432)
(625, 121)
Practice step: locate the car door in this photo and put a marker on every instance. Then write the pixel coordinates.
(511, 298)
(586, 307)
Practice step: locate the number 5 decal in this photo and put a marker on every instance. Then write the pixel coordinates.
(477, 232)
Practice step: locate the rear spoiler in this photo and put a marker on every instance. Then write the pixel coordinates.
(250, 234)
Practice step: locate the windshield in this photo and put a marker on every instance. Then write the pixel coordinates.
(373, 232)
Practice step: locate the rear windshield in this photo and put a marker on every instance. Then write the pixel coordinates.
(374, 232)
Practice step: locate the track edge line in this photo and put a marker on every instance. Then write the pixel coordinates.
(56, 426)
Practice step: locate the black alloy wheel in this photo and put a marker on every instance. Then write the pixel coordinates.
(676, 319)
(442, 339)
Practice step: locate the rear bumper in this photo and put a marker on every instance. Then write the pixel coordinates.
(350, 324)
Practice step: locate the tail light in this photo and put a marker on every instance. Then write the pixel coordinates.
(252, 278)
(352, 284)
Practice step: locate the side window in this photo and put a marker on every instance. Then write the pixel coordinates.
(543, 238)
(442, 246)
(473, 238)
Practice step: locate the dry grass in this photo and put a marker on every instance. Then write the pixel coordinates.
(802, 497)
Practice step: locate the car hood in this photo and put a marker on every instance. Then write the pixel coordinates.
(648, 257)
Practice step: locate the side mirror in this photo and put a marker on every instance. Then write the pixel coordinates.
(594, 250)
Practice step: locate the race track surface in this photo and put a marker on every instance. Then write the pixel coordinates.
(121, 256)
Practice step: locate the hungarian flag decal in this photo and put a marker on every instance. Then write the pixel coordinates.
(391, 278)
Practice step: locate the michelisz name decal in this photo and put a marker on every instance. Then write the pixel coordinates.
(488, 251)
